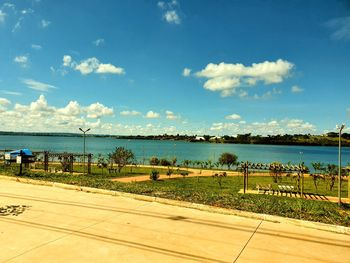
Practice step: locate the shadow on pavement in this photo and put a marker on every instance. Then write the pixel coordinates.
(12, 210)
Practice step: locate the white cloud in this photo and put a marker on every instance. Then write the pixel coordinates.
(4, 102)
(227, 78)
(233, 117)
(22, 61)
(36, 85)
(92, 65)
(40, 116)
(161, 4)
(172, 17)
(2, 16)
(88, 66)
(171, 116)
(36, 47)
(130, 113)
(170, 14)
(8, 92)
(27, 11)
(152, 115)
(267, 95)
(296, 89)
(109, 69)
(273, 127)
(97, 110)
(186, 72)
(340, 27)
(45, 23)
(98, 42)
(67, 60)
(72, 109)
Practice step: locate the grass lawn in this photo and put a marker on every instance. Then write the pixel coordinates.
(206, 190)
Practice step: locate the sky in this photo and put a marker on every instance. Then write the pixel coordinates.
(177, 67)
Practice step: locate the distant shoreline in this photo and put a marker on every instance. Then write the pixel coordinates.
(293, 140)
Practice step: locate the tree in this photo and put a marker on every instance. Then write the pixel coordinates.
(228, 159)
(318, 167)
(121, 157)
(164, 162)
(276, 171)
(332, 171)
(154, 161)
(101, 162)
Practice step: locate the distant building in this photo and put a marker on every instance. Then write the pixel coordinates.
(214, 138)
(199, 138)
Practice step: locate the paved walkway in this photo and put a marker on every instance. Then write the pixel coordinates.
(48, 224)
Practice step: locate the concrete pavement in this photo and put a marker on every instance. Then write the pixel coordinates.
(48, 224)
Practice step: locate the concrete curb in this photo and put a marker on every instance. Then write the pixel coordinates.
(207, 208)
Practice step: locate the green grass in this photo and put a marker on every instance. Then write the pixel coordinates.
(206, 190)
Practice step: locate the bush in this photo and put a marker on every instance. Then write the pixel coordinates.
(164, 162)
(154, 176)
(154, 161)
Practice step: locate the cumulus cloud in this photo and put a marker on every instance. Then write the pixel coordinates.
(152, 115)
(340, 28)
(37, 85)
(40, 116)
(98, 42)
(130, 113)
(91, 65)
(4, 102)
(97, 110)
(172, 17)
(109, 69)
(284, 126)
(45, 23)
(228, 78)
(296, 89)
(171, 115)
(170, 11)
(21, 60)
(67, 60)
(233, 117)
(186, 72)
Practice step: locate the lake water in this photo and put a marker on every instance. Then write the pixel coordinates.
(144, 149)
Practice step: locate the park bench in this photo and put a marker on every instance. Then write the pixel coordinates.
(285, 189)
(263, 188)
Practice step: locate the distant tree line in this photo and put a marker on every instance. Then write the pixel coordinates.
(329, 139)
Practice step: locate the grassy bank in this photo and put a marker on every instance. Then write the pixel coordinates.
(206, 190)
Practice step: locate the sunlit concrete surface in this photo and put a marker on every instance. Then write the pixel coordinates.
(48, 224)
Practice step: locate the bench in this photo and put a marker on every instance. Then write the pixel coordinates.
(263, 188)
(285, 189)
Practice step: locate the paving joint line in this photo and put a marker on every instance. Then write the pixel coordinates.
(69, 234)
(240, 253)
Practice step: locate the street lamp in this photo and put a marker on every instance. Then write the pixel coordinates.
(340, 128)
(84, 132)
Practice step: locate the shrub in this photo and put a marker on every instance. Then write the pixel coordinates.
(154, 176)
(164, 162)
(154, 161)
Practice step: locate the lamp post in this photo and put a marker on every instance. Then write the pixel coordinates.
(84, 132)
(340, 128)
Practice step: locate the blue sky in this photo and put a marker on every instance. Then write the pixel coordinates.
(188, 67)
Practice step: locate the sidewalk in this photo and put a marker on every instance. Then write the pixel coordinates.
(48, 224)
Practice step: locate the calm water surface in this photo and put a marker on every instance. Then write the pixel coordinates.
(144, 149)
